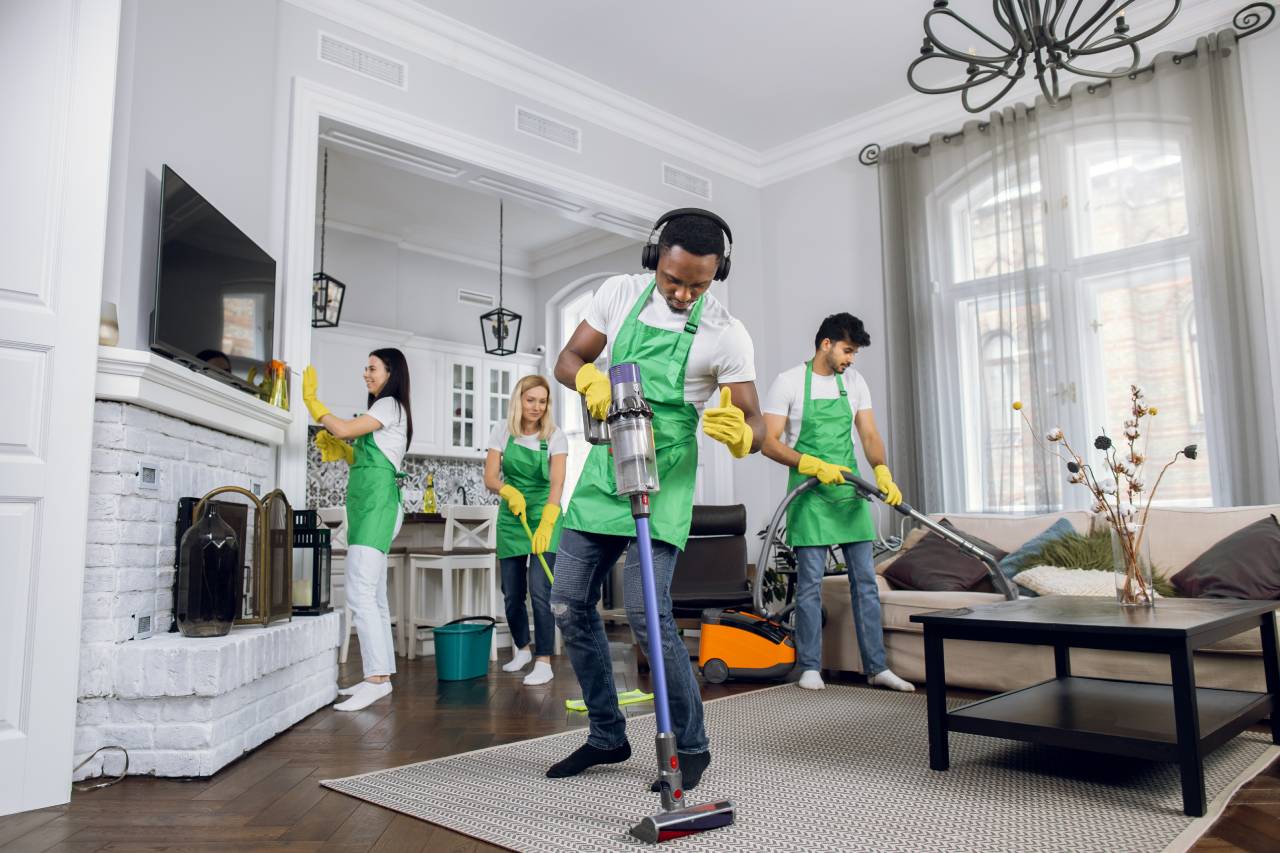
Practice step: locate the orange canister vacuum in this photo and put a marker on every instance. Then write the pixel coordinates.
(756, 643)
(740, 644)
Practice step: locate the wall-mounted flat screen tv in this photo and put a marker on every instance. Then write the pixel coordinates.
(215, 289)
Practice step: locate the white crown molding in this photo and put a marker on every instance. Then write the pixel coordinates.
(470, 260)
(918, 115)
(423, 31)
(577, 249)
(156, 383)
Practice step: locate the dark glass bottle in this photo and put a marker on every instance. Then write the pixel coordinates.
(208, 599)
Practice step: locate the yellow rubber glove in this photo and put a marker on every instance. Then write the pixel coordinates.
(309, 384)
(514, 498)
(827, 473)
(542, 536)
(728, 425)
(884, 482)
(594, 385)
(333, 448)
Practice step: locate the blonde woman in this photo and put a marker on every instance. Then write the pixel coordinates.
(525, 467)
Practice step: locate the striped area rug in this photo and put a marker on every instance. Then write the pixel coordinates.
(845, 768)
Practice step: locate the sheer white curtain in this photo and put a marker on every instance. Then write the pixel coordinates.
(1057, 255)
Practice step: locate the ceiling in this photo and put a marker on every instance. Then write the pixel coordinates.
(722, 64)
(379, 188)
(760, 73)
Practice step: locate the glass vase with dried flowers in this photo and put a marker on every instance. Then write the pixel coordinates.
(1118, 493)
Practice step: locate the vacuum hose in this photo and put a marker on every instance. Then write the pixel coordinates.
(998, 579)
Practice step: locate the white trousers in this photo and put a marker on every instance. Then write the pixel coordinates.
(367, 597)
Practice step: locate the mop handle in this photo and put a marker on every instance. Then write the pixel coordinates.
(541, 559)
(657, 666)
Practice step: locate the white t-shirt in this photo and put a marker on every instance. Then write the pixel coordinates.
(393, 438)
(556, 445)
(721, 353)
(786, 397)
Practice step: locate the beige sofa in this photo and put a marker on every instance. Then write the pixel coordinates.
(1176, 537)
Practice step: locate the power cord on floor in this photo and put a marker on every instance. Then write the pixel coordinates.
(100, 783)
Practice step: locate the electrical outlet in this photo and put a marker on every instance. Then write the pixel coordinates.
(256, 488)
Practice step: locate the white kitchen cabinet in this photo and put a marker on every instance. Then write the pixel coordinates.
(339, 360)
(425, 374)
(464, 413)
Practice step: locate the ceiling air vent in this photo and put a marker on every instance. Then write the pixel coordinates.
(363, 61)
(686, 181)
(475, 297)
(557, 132)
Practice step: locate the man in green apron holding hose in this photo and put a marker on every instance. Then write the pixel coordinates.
(687, 346)
(818, 405)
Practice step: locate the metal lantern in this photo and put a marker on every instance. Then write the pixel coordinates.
(326, 291)
(500, 328)
(312, 565)
(326, 298)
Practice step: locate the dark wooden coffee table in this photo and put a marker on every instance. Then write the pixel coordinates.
(1161, 722)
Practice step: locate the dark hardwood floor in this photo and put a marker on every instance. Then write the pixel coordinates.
(271, 799)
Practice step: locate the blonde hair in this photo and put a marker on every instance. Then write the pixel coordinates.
(515, 411)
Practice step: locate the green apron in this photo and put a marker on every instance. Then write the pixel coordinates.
(530, 472)
(827, 515)
(373, 496)
(662, 356)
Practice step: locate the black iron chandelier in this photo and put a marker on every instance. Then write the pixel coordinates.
(1052, 36)
(326, 291)
(500, 328)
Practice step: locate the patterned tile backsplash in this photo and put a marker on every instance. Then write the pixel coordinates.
(327, 484)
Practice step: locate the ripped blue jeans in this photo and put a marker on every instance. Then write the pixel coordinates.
(583, 561)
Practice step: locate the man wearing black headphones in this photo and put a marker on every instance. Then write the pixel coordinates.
(687, 346)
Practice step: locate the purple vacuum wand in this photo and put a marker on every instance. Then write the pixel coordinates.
(630, 432)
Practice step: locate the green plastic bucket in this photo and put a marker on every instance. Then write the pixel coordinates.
(462, 648)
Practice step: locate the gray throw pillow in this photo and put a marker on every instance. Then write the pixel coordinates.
(1245, 564)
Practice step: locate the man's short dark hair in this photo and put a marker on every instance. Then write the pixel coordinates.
(697, 235)
(842, 327)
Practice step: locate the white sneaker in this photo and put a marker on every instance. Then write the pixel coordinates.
(518, 661)
(886, 678)
(366, 693)
(811, 680)
(541, 674)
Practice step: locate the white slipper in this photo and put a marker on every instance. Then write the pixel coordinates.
(541, 674)
(518, 661)
(365, 696)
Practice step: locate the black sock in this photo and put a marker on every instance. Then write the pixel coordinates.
(692, 766)
(588, 756)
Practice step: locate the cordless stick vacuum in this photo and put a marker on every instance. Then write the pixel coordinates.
(635, 466)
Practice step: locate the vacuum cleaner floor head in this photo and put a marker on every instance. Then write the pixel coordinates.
(686, 821)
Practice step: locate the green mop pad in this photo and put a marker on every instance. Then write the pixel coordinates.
(625, 697)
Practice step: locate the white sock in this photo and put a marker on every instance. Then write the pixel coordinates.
(518, 660)
(364, 696)
(541, 673)
(812, 680)
(886, 678)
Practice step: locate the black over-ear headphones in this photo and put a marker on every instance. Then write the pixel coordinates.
(649, 255)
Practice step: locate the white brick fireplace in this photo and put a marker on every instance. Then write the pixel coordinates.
(180, 706)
